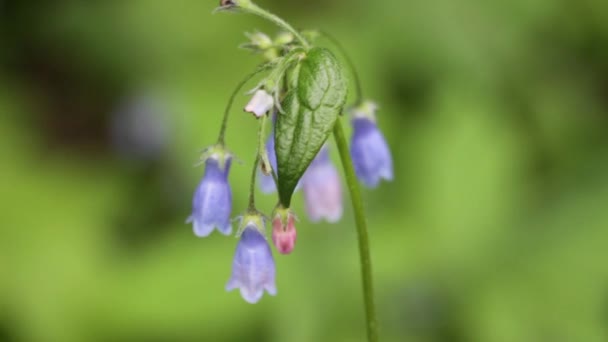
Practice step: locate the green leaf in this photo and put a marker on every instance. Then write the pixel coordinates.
(316, 93)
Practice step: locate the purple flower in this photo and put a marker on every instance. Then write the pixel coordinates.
(266, 181)
(253, 269)
(322, 190)
(212, 202)
(369, 150)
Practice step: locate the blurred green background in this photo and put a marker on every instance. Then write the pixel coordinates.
(495, 228)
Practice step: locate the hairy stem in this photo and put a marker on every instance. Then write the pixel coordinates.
(365, 260)
(261, 68)
(256, 163)
(351, 66)
(252, 8)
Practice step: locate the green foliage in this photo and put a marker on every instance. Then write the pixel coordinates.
(311, 107)
(494, 229)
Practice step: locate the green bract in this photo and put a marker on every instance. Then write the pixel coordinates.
(315, 96)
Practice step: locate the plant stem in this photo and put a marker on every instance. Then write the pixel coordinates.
(252, 8)
(220, 139)
(256, 163)
(366, 264)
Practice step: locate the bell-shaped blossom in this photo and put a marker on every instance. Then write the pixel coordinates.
(260, 103)
(212, 202)
(284, 230)
(322, 189)
(253, 269)
(369, 151)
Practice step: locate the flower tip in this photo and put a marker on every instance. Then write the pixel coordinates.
(201, 230)
(251, 296)
(226, 229)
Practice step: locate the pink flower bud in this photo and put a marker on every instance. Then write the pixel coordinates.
(284, 230)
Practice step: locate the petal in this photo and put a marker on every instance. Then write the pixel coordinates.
(251, 295)
(370, 153)
(266, 181)
(322, 189)
(253, 268)
(212, 202)
(260, 103)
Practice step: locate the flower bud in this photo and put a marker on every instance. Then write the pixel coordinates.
(284, 230)
(260, 103)
(283, 38)
(258, 41)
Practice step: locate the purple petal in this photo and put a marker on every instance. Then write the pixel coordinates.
(253, 269)
(266, 182)
(370, 153)
(322, 189)
(212, 202)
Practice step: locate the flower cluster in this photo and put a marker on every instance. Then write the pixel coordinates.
(253, 267)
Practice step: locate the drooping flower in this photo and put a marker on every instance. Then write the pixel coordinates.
(266, 181)
(322, 190)
(260, 103)
(369, 151)
(212, 202)
(284, 230)
(253, 269)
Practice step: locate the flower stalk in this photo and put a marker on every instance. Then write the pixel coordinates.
(256, 163)
(361, 224)
(224, 126)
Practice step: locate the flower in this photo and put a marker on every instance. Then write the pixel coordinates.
(322, 190)
(284, 230)
(212, 202)
(369, 151)
(260, 103)
(253, 269)
(266, 181)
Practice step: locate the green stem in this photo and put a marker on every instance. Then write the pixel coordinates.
(256, 163)
(220, 139)
(351, 66)
(252, 8)
(366, 264)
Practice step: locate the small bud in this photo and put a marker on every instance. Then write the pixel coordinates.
(258, 41)
(283, 38)
(284, 230)
(260, 103)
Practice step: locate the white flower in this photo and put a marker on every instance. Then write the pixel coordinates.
(260, 103)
